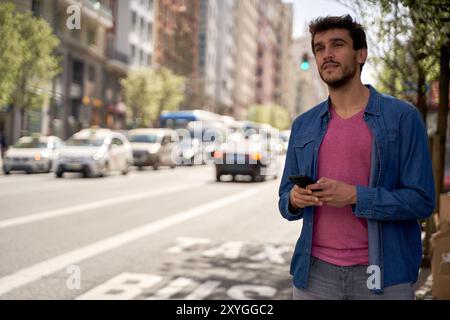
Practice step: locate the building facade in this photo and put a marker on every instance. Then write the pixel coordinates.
(226, 56)
(79, 91)
(208, 49)
(275, 66)
(246, 32)
(176, 46)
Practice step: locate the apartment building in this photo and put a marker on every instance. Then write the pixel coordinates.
(246, 32)
(226, 55)
(79, 91)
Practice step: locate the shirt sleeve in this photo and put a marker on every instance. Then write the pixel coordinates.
(290, 168)
(414, 195)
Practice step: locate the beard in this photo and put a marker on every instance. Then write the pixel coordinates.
(348, 73)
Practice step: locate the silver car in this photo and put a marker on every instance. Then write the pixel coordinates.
(32, 154)
(153, 147)
(95, 152)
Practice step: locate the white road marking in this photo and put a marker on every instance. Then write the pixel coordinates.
(203, 291)
(47, 267)
(13, 222)
(125, 286)
(172, 289)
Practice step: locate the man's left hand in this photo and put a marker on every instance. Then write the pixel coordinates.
(334, 193)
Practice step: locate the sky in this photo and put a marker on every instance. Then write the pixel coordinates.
(307, 10)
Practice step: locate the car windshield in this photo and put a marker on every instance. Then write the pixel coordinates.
(77, 142)
(30, 144)
(144, 138)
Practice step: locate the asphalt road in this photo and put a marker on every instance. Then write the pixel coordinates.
(167, 234)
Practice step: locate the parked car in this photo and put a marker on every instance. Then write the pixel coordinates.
(32, 154)
(252, 155)
(153, 147)
(95, 152)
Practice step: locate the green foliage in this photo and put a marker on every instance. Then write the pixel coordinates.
(405, 47)
(148, 92)
(11, 48)
(275, 115)
(27, 60)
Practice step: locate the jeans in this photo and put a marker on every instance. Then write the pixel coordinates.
(331, 282)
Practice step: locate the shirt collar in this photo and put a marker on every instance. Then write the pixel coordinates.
(373, 106)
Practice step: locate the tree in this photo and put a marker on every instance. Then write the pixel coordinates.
(39, 63)
(276, 116)
(10, 52)
(149, 92)
(27, 59)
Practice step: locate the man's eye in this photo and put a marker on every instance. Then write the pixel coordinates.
(319, 49)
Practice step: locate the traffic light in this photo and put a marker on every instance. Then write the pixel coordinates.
(305, 63)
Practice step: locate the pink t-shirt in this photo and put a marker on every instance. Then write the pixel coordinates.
(339, 237)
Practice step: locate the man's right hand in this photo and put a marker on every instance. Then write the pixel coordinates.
(302, 198)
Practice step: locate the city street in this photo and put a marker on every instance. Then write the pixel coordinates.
(167, 234)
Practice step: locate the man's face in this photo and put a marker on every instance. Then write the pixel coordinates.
(338, 63)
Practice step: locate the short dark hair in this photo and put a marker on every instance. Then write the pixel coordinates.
(355, 29)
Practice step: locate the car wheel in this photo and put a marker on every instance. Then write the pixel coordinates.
(156, 165)
(59, 174)
(6, 172)
(87, 173)
(218, 177)
(140, 168)
(256, 178)
(49, 169)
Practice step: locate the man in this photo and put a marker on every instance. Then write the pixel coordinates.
(369, 156)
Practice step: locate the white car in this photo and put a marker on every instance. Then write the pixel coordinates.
(95, 152)
(32, 154)
(153, 147)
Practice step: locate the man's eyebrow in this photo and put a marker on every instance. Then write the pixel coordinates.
(337, 39)
(320, 43)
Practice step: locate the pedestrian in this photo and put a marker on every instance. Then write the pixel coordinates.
(368, 157)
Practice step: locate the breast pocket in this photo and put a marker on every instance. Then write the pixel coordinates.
(304, 150)
(393, 150)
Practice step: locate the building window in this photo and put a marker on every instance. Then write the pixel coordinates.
(91, 73)
(150, 31)
(36, 8)
(92, 36)
(133, 52)
(133, 19)
(149, 60)
(78, 69)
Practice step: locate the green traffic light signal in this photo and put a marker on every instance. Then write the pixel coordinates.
(305, 63)
(305, 66)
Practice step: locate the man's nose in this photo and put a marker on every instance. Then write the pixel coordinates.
(329, 54)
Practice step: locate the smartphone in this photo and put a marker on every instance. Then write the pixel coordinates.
(302, 181)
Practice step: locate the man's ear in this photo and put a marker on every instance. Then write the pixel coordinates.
(361, 55)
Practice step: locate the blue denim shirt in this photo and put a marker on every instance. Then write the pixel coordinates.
(400, 191)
